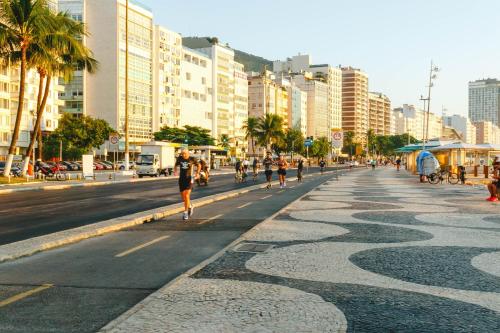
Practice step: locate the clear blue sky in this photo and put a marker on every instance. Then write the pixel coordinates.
(392, 40)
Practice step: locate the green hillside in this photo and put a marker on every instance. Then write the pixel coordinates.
(251, 62)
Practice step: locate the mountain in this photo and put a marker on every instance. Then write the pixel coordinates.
(251, 62)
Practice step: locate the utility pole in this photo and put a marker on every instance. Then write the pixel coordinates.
(432, 75)
(127, 152)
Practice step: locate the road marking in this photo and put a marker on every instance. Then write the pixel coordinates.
(281, 191)
(211, 219)
(245, 205)
(266, 197)
(137, 248)
(25, 294)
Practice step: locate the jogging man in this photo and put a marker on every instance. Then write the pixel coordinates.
(322, 165)
(282, 166)
(268, 169)
(186, 164)
(300, 169)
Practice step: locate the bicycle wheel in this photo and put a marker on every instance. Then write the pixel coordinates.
(60, 176)
(433, 178)
(453, 178)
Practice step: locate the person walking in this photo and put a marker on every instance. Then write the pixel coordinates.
(184, 168)
(282, 167)
(398, 164)
(300, 170)
(255, 168)
(268, 169)
(322, 165)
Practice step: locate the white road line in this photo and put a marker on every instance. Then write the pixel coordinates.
(245, 205)
(211, 219)
(266, 197)
(137, 248)
(281, 191)
(25, 294)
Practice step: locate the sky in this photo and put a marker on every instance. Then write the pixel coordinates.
(393, 41)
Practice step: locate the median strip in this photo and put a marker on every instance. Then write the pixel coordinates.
(140, 247)
(25, 294)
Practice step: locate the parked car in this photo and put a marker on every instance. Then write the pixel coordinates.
(121, 165)
(76, 166)
(69, 166)
(15, 170)
(98, 166)
(107, 165)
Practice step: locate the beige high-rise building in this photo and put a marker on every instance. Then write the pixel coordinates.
(167, 78)
(487, 132)
(240, 109)
(355, 114)
(317, 105)
(379, 113)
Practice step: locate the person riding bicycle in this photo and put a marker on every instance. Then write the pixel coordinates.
(322, 165)
(205, 169)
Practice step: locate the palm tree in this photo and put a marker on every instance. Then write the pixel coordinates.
(21, 22)
(251, 131)
(224, 140)
(370, 137)
(58, 53)
(349, 141)
(270, 128)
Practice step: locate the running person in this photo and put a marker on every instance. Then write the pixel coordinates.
(282, 166)
(322, 165)
(268, 169)
(186, 164)
(300, 169)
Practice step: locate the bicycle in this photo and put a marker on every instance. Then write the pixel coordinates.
(441, 175)
(255, 175)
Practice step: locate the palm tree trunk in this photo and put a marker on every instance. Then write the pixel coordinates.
(19, 115)
(41, 103)
(253, 147)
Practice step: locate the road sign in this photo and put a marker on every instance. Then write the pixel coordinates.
(337, 138)
(308, 143)
(114, 138)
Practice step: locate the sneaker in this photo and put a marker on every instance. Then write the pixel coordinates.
(284, 185)
(185, 216)
(494, 199)
(191, 210)
(490, 199)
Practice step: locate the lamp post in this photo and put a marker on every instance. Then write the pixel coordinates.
(432, 76)
(126, 125)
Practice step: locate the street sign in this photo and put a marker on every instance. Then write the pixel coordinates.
(308, 143)
(114, 138)
(337, 138)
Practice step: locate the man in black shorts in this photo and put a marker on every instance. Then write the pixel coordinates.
(282, 166)
(268, 169)
(186, 164)
(300, 169)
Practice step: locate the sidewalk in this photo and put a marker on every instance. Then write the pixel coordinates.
(374, 252)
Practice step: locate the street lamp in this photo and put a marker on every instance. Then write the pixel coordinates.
(432, 76)
(126, 125)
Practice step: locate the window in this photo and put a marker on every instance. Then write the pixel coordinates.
(203, 80)
(188, 76)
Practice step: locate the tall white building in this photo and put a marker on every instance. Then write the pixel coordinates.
(409, 119)
(196, 89)
(330, 75)
(317, 105)
(166, 78)
(240, 110)
(484, 101)
(463, 126)
(297, 105)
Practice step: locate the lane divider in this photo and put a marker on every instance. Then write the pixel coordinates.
(266, 197)
(211, 219)
(25, 294)
(140, 247)
(245, 205)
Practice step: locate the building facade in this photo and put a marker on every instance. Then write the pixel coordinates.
(355, 114)
(487, 132)
(196, 90)
(410, 120)
(379, 111)
(317, 105)
(240, 110)
(463, 126)
(484, 101)
(167, 94)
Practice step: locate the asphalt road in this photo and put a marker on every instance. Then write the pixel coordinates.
(81, 287)
(24, 215)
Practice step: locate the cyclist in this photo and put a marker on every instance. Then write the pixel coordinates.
(268, 169)
(205, 170)
(238, 170)
(300, 169)
(322, 165)
(282, 166)
(186, 165)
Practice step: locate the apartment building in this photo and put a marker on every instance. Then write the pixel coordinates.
(325, 73)
(297, 104)
(487, 132)
(463, 126)
(167, 94)
(484, 101)
(317, 104)
(196, 90)
(411, 120)
(355, 114)
(240, 110)
(379, 113)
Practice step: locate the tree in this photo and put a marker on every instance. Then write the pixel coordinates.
(224, 141)
(22, 22)
(270, 129)
(349, 145)
(78, 136)
(293, 141)
(192, 135)
(251, 131)
(58, 53)
(320, 148)
(370, 136)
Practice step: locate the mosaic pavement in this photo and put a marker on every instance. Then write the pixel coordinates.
(373, 252)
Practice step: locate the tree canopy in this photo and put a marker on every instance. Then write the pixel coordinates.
(78, 135)
(191, 135)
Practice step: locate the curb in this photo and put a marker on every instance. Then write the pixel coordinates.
(34, 245)
(142, 304)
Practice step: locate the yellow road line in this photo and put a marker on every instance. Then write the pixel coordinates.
(25, 294)
(137, 248)
(266, 197)
(211, 219)
(245, 205)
